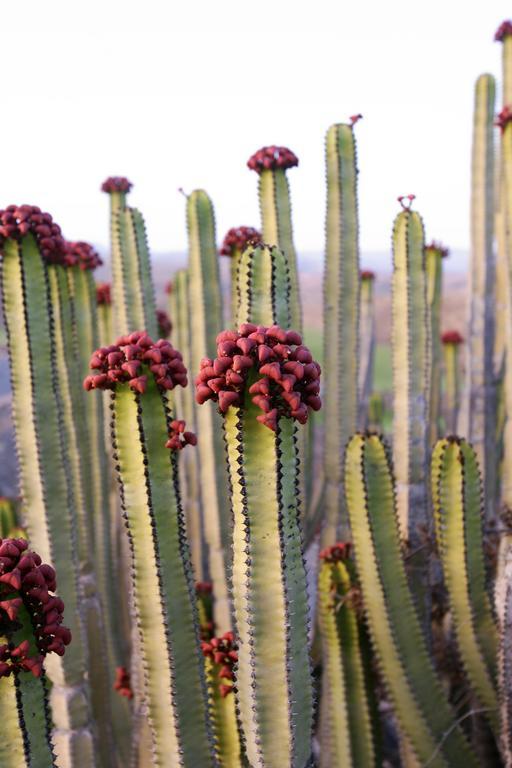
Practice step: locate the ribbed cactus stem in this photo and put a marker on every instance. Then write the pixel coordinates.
(341, 320)
(367, 346)
(451, 342)
(234, 244)
(434, 254)
(503, 598)
(117, 189)
(220, 659)
(477, 416)
(206, 320)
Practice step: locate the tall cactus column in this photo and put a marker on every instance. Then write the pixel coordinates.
(264, 380)
(434, 255)
(367, 345)
(451, 341)
(234, 244)
(140, 374)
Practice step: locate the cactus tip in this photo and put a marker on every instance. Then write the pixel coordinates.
(272, 158)
(337, 553)
(122, 683)
(103, 294)
(238, 238)
(116, 184)
(406, 201)
(434, 245)
(504, 29)
(222, 651)
(367, 274)
(452, 337)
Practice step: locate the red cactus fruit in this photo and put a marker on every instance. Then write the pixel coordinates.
(122, 683)
(164, 323)
(272, 158)
(103, 295)
(504, 29)
(82, 255)
(238, 238)
(19, 220)
(504, 118)
(337, 553)
(434, 245)
(452, 337)
(178, 437)
(288, 382)
(27, 582)
(367, 274)
(222, 651)
(116, 184)
(131, 359)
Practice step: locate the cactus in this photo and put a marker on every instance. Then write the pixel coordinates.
(10, 527)
(451, 341)
(503, 598)
(477, 416)
(104, 303)
(341, 318)
(234, 244)
(220, 658)
(206, 319)
(140, 374)
(434, 255)
(367, 346)
(263, 380)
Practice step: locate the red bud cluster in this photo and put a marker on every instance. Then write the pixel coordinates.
(272, 158)
(337, 553)
(27, 582)
(504, 29)
(504, 118)
(19, 220)
(452, 337)
(164, 323)
(436, 246)
(289, 378)
(178, 437)
(131, 358)
(103, 293)
(116, 184)
(82, 255)
(238, 238)
(222, 651)
(367, 274)
(122, 683)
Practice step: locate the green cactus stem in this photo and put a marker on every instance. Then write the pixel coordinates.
(451, 341)
(117, 188)
(458, 513)
(434, 255)
(423, 714)
(367, 345)
(503, 599)
(346, 736)
(10, 523)
(140, 374)
(205, 302)
(234, 244)
(45, 477)
(104, 303)
(477, 415)
(341, 320)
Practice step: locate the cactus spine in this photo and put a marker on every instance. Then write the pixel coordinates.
(434, 254)
(341, 318)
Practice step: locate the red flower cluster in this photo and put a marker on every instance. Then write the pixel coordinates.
(289, 380)
(116, 184)
(26, 581)
(103, 293)
(367, 274)
(272, 158)
(127, 359)
(82, 255)
(122, 683)
(504, 29)
(502, 120)
(238, 238)
(337, 553)
(222, 651)
(435, 246)
(18, 220)
(178, 437)
(163, 322)
(452, 337)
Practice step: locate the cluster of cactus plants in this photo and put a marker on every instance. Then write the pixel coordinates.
(226, 597)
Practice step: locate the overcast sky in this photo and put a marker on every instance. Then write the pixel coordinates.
(180, 94)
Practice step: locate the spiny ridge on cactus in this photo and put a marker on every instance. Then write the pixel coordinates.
(223, 652)
(164, 323)
(26, 583)
(289, 378)
(129, 357)
(18, 220)
(83, 255)
(103, 293)
(271, 158)
(237, 239)
(179, 438)
(116, 184)
(452, 337)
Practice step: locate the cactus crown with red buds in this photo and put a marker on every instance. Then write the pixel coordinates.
(367, 274)
(19, 220)
(436, 246)
(287, 378)
(504, 29)
(130, 360)
(83, 255)
(26, 582)
(103, 295)
(503, 118)
(222, 652)
(163, 322)
(272, 158)
(452, 337)
(238, 238)
(337, 553)
(116, 184)
(179, 438)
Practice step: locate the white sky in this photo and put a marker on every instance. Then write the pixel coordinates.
(181, 92)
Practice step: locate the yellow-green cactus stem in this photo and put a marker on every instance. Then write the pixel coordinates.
(341, 320)
(273, 677)
(234, 244)
(346, 735)
(10, 518)
(458, 514)
(105, 324)
(434, 255)
(45, 479)
(367, 345)
(477, 418)
(451, 341)
(375, 412)
(423, 714)
(206, 320)
(140, 374)
(503, 600)
(117, 188)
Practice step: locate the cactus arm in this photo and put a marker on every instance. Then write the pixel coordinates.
(434, 274)
(234, 265)
(264, 288)
(25, 721)
(457, 498)
(105, 327)
(145, 274)
(341, 318)
(419, 702)
(503, 600)
(137, 290)
(367, 350)
(206, 320)
(120, 306)
(451, 386)
(224, 721)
